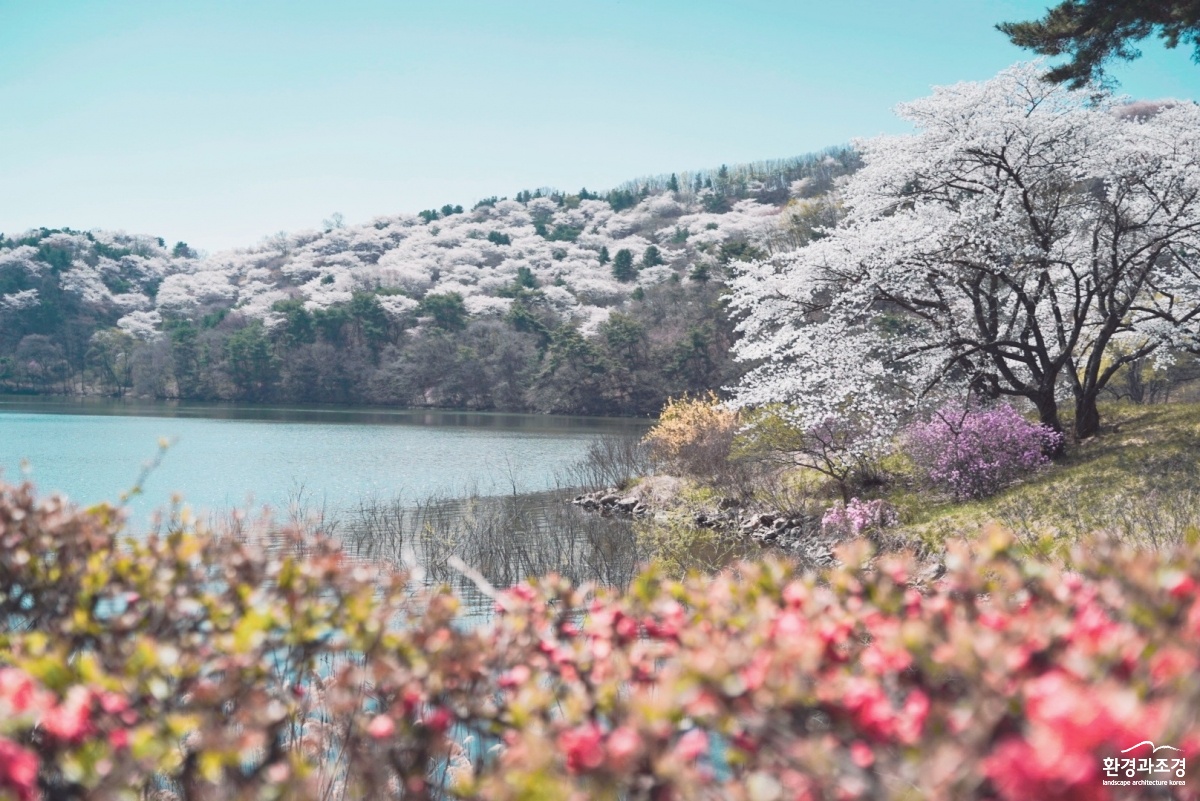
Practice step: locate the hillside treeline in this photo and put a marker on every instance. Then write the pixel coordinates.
(589, 303)
(673, 339)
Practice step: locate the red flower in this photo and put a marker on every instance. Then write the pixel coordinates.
(626, 628)
(113, 704)
(870, 708)
(754, 674)
(912, 602)
(70, 721)
(118, 739)
(745, 742)
(622, 746)
(879, 659)
(1180, 585)
(515, 677)
(438, 720)
(861, 754)
(18, 770)
(1171, 662)
(583, 747)
(16, 690)
(911, 722)
(1020, 771)
(524, 592)
(381, 727)
(789, 626)
(795, 594)
(692, 745)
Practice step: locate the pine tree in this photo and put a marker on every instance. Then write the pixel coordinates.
(604, 258)
(623, 269)
(1093, 32)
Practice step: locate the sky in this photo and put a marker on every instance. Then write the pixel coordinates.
(218, 123)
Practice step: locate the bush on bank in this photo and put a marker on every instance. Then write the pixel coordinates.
(191, 666)
(973, 453)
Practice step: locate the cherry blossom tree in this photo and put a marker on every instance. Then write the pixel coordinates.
(1009, 245)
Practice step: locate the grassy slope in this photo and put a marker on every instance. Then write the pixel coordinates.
(1140, 479)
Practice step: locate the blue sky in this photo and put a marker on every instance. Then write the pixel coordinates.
(219, 122)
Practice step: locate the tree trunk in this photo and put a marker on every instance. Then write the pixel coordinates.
(1087, 416)
(1047, 408)
(1134, 384)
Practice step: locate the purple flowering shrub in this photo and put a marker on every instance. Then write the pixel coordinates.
(854, 518)
(975, 453)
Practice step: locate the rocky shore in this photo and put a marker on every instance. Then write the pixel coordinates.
(798, 534)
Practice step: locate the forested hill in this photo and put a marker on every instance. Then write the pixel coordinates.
(549, 301)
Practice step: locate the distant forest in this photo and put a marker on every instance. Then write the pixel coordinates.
(584, 303)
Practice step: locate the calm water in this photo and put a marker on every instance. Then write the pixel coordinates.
(225, 457)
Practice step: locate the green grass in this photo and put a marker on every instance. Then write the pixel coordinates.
(1138, 479)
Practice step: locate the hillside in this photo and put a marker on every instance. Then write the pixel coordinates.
(549, 301)
(1137, 481)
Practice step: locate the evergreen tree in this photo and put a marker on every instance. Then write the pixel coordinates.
(525, 278)
(722, 179)
(652, 257)
(446, 309)
(1093, 32)
(604, 257)
(673, 184)
(252, 367)
(623, 269)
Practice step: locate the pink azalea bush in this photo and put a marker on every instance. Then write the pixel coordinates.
(857, 517)
(195, 667)
(975, 453)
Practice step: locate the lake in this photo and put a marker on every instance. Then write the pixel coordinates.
(224, 457)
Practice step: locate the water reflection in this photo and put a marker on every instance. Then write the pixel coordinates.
(320, 414)
(504, 539)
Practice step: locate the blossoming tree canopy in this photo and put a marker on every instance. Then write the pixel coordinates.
(1028, 240)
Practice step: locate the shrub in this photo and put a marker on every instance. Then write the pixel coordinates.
(694, 437)
(843, 447)
(975, 453)
(194, 667)
(679, 547)
(854, 518)
(611, 461)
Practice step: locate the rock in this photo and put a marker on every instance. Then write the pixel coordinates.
(627, 504)
(608, 500)
(931, 573)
